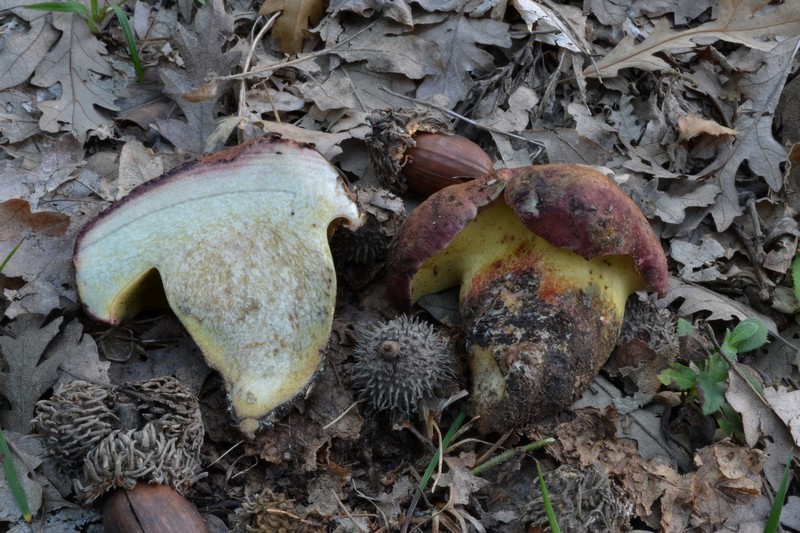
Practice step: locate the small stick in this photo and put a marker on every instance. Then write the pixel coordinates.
(462, 117)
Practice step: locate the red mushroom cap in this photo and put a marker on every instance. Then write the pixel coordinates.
(571, 206)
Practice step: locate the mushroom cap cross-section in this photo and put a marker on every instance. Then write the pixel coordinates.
(546, 257)
(240, 242)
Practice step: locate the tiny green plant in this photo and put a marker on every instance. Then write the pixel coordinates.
(548, 507)
(707, 379)
(508, 454)
(5, 453)
(795, 273)
(95, 16)
(777, 507)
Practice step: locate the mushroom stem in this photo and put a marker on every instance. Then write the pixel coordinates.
(527, 305)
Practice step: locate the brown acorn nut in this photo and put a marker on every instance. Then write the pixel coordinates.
(546, 257)
(437, 161)
(150, 509)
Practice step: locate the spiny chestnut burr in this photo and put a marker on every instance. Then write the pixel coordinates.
(545, 257)
(399, 364)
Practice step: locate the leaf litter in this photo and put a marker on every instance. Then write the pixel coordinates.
(687, 105)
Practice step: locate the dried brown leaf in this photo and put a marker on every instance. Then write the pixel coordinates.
(24, 48)
(203, 54)
(458, 39)
(697, 299)
(30, 368)
(690, 126)
(77, 62)
(291, 27)
(738, 21)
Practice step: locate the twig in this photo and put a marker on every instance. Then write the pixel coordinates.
(347, 512)
(306, 57)
(332, 422)
(250, 52)
(461, 117)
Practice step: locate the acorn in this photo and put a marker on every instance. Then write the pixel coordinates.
(437, 161)
(150, 509)
(415, 152)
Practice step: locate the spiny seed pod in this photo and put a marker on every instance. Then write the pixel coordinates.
(400, 364)
(415, 152)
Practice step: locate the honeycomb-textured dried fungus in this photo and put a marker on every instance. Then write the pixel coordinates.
(116, 436)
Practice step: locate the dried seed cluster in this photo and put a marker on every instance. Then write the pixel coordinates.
(655, 326)
(145, 431)
(267, 512)
(582, 500)
(400, 364)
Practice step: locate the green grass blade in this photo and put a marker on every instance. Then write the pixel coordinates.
(780, 497)
(11, 254)
(126, 29)
(62, 7)
(548, 507)
(13, 480)
(454, 427)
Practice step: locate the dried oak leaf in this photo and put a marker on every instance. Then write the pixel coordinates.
(30, 367)
(737, 21)
(291, 27)
(386, 47)
(203, 54)
(697, 299)
(458, 39)
(78, 64)
(24, 47)
(755, 142)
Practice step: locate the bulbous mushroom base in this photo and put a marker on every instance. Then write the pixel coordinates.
(532, 351)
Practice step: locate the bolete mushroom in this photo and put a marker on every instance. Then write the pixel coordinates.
(240, 242)
(545, 257)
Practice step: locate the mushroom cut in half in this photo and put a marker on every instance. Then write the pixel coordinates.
(546, 257)
(240, 243)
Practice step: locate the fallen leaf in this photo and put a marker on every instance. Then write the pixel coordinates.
(690, 126)
(19, 119)
(761, 424)
(385, 48)
(786, 404)
(697, 299)
(552, 26)
(75, 63)
(25, 461)
(738, 21)
(203, 56)
(30, 368)
(137, 164)
(459, 479)
(460, 40)
(699, 261)
(291, 27)
(24, 47)
(755, 142)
